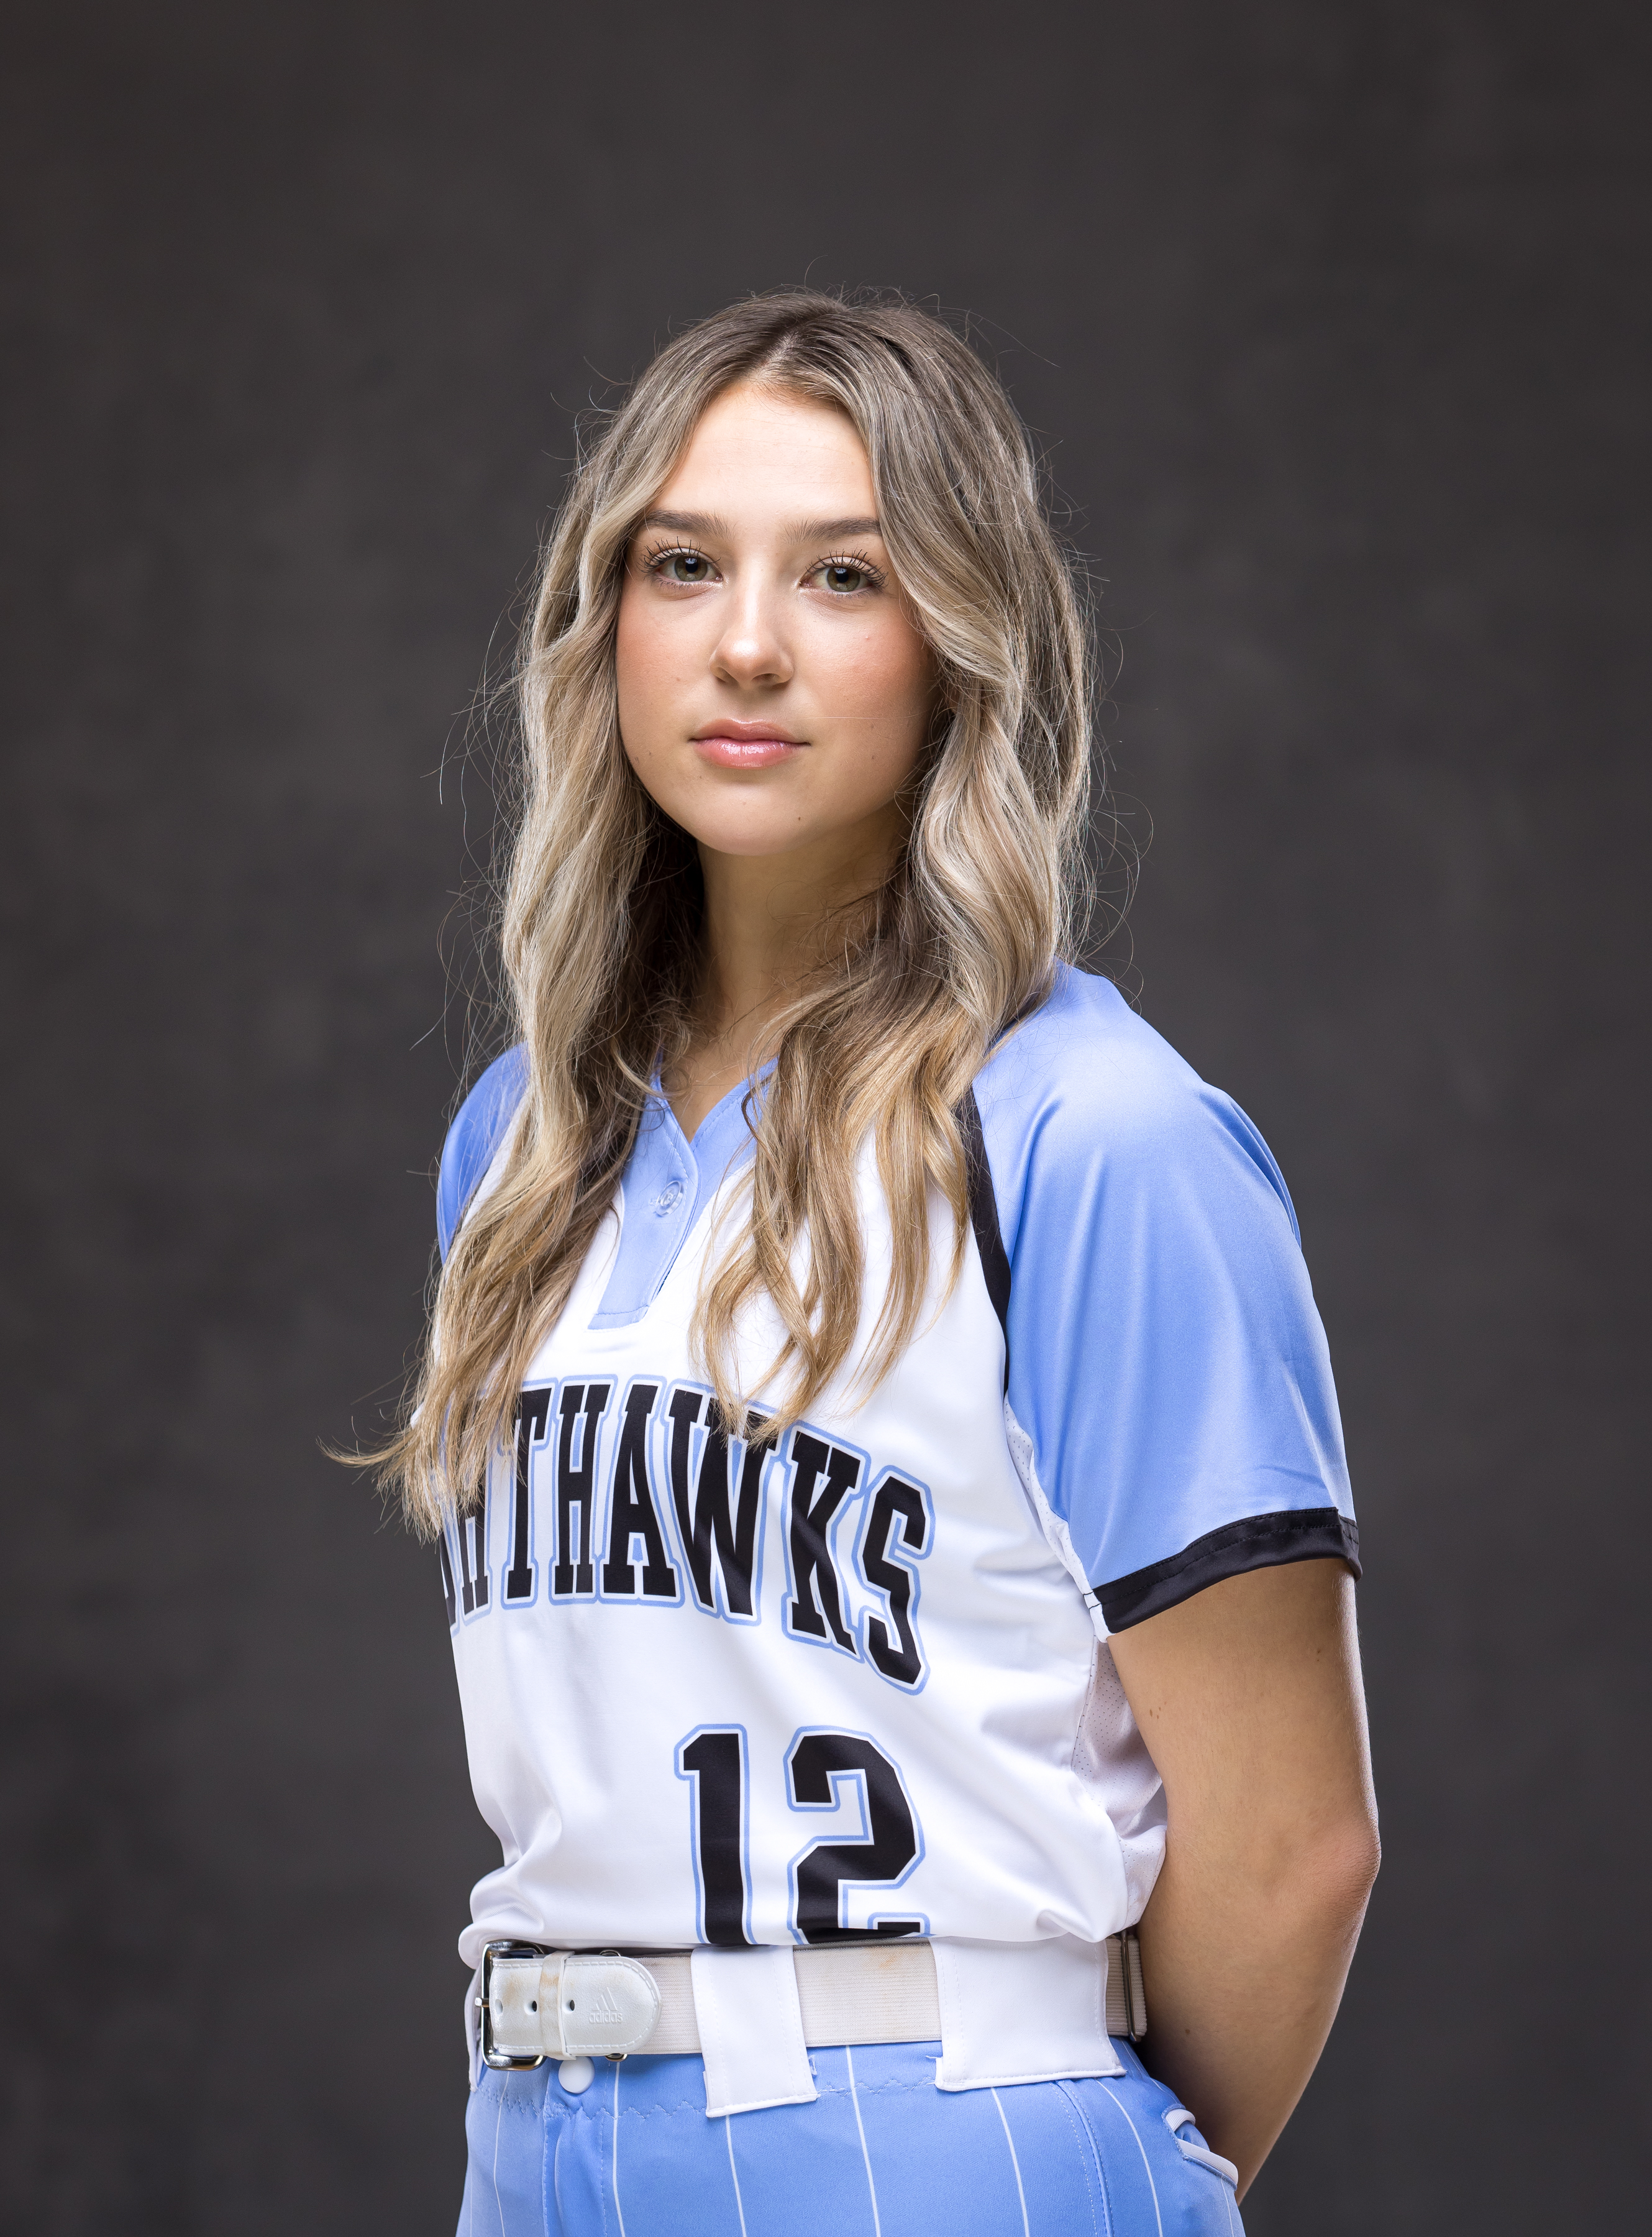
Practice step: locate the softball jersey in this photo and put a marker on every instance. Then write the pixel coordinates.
(723, 1687)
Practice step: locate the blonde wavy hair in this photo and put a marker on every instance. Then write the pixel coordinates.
(600, 922)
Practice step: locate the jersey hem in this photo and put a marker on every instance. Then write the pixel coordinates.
(1260, 1541)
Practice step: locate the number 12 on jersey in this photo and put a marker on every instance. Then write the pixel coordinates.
(822, 1770)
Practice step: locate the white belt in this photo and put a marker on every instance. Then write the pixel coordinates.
(536, 2004)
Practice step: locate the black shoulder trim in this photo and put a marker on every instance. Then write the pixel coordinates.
(984, 1218)
(1261, 1542)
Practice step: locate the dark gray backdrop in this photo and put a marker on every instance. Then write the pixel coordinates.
(1323, 312)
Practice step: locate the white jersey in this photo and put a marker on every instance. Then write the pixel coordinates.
(722, 1688)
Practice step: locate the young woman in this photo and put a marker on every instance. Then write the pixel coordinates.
(881, 1443)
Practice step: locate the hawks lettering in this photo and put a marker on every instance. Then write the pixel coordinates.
(582, 1405)
(709, 1532)
(666, 1484)
(632, 1514)
(533, 1418)
(822, 1477)
(900, 1508)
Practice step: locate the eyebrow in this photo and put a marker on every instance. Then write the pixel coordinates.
(688, 523)
(802, 532)
(823, 531)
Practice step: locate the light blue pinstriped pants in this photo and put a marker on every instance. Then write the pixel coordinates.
(881, 2153)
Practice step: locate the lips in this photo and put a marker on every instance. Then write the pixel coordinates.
(727, 743)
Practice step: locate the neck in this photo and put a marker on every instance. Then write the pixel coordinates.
(768, 923)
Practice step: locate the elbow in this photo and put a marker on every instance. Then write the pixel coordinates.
(1335, 1870)
(1322, 1869)
(1357, 1861)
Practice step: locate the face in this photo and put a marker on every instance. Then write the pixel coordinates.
(774, 693)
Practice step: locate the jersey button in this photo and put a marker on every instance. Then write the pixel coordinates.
(668, 1199)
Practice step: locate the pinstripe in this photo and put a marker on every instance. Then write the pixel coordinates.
(854, 2099)
(618, 2214)
(1076, 2116)
(498, 2124)
(740, 2203)
(1146, 2163)
(1016, 2163)
(549, 2166)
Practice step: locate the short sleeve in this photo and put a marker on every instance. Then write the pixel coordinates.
(473, 1139)
(1166, 1361)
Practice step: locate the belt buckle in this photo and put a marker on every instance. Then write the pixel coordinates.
(503, 2059)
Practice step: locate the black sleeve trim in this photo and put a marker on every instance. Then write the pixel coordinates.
(984, 1218)
(1261, 1542)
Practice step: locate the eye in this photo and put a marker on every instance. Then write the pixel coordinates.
(845, 576)
(681, 564)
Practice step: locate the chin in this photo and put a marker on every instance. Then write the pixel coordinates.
(749, 844)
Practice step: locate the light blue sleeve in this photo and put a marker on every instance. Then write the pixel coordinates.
(1166, 1359)
(473, 1138)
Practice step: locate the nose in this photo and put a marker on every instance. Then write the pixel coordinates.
(752, 652)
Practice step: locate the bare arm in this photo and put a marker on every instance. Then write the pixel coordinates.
(1248, 1696)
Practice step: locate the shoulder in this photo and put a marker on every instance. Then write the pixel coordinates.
(1166, 1369)
(473, 1139)
(1084, 1097)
